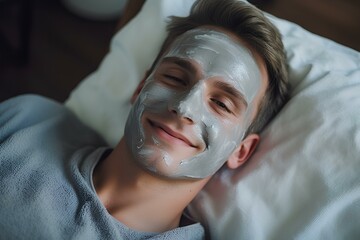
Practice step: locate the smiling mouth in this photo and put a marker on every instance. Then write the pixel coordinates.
(170, 132)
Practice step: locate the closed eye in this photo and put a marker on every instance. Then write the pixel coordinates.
(174, 79)
(221, 105)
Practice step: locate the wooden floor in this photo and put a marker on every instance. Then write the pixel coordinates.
(65, 48)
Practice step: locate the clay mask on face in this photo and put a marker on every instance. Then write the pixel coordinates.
(210, 137)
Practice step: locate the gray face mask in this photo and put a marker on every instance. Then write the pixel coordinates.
(180, 126)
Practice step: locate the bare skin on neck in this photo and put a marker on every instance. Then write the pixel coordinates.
(139, 199)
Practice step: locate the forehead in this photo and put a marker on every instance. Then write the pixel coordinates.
(218, 55)
(206, 40)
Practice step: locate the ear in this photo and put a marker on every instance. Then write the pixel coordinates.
(139, 87)
(244, 151)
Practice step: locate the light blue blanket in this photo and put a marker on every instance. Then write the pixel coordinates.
(46, 161)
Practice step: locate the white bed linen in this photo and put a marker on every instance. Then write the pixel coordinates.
(303, 182)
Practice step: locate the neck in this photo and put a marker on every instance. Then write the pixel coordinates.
(139, 199)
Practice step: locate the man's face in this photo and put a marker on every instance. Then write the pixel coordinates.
(195, 107)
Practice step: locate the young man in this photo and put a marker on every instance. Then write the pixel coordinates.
(219, 78)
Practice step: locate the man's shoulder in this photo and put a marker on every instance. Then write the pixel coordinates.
(28, 110)
(33, 105)
(30, 102)
(42, 116)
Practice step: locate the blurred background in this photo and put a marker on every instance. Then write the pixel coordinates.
(48, 46)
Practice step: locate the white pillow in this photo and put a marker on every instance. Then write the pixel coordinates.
(102, 99)
(303, 182)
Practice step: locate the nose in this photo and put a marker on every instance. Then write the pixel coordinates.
(187, 106)
(184, 118)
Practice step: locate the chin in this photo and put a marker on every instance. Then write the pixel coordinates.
(159, 164)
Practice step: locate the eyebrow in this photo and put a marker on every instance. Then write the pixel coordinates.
(239, 97)
(181, 62)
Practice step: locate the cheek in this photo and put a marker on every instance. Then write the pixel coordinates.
(224, 132)
(154, 96)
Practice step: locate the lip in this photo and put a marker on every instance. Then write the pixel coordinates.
(170, 132)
